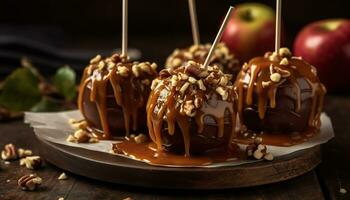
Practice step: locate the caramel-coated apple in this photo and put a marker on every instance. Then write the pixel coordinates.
(190, 110)
(279, 93)
(113, 95)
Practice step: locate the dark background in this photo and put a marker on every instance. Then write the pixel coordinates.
(77, 29)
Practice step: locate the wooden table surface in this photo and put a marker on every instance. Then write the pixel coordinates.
(322, 183)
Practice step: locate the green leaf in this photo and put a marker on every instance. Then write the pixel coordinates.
(64, 81)
(20, 90)
(46, 105)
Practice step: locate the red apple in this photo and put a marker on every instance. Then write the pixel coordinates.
(250, 31)
(326, 45)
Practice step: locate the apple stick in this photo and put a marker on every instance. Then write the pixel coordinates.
(125, 29)
(194, 21)
(218, 36)
(278, 25)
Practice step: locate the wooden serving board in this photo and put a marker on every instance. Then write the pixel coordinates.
(115, 169)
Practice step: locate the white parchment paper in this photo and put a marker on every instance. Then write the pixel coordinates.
(54, 127)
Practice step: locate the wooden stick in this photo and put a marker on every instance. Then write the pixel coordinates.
(278, 25)
(218, 36)
(194, 21)
(125, 29)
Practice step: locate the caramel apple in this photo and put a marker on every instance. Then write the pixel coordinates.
(113, 95)
(190, 110)
(222, 57)
(279, 93)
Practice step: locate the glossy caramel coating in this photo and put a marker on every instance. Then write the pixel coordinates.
(113, 95)
(190, 110)
(222, 57)
(279, 93)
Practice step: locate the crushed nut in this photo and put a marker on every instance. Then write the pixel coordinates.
(141, 138)
(258, 151)
(95, 59)
(184, 88)
(284, 61)
(101, 65)
(265, 84)
(9, 152)
(198, 102)
(268, 156)
(135, 70)
(81, 136)
(31, 162)
(201, 85)
(29, 182)
(154, 66)
(110, 65)
(123, 71)
(81, 124)
(192, 80)
(273, 57)
(222, 92)
(275, 77)
(174, 80)
(24, 152)
(154, 84)
(61, 198)
(284, 73)
(189, 109)
(284, 52)
(176, 62)
(223, 81)
(62, 176)
(343, 191)
(71, 138)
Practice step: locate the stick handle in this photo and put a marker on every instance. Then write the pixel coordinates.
(278, 25)
(194, 21)
(125, 29)
(218, 36)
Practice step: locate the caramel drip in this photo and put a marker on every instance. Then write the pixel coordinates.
(158, 111)
(127, 93)
(249, 85)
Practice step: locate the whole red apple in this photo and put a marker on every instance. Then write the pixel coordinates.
(250, 31)
(326, 45)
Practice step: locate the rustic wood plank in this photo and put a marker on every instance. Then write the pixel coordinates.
(333, 173)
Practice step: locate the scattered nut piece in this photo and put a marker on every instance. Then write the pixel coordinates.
(192, 80)
(343, 191)
(9, 152)
(110, 65)
(61, 198)
(176, 62)
(29, 182)
(93, 140)
(154, 66)
(101, 65)
(189, 109)
(141, 138)
(8, 180)
(95, 59)
(77, 124)
(222, 92)
(31, 162)
(63, 176)
(24, 152)
(71, 138)
(258, 151)
(268, 156)
(154, 84)
(273, 57)
(198, 102)
(284, 61)
(81, 136)
(7, 162)
(275, 77)
(135, 70)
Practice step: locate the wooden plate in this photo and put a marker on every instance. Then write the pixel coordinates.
(105, 167)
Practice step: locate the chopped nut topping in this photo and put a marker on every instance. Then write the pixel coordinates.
(101, 65)
(184, 88)
(201, 85)
(284, 52)
(275, 77)
(198, 102)
(81, 124)
(154, 66)
(154, 84)
(265, 84)
(284, 61)
(24, 152)
(222, 92)
(192, 80)
(258, 151)
(9, 152)
(123, 71)
(174, 80)
(31, 162)
(343, 191)
(81, 136)
(223, 81)
(189, 108)
(29, 182)
(71, 138)
(284, 73)
(176, 62)
(141, 138)
(63, 176)
(95, 59)
(273, 57)
(110, 65)
(135, 70)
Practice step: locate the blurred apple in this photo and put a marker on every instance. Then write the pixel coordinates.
(250, 31)
(326, 45)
